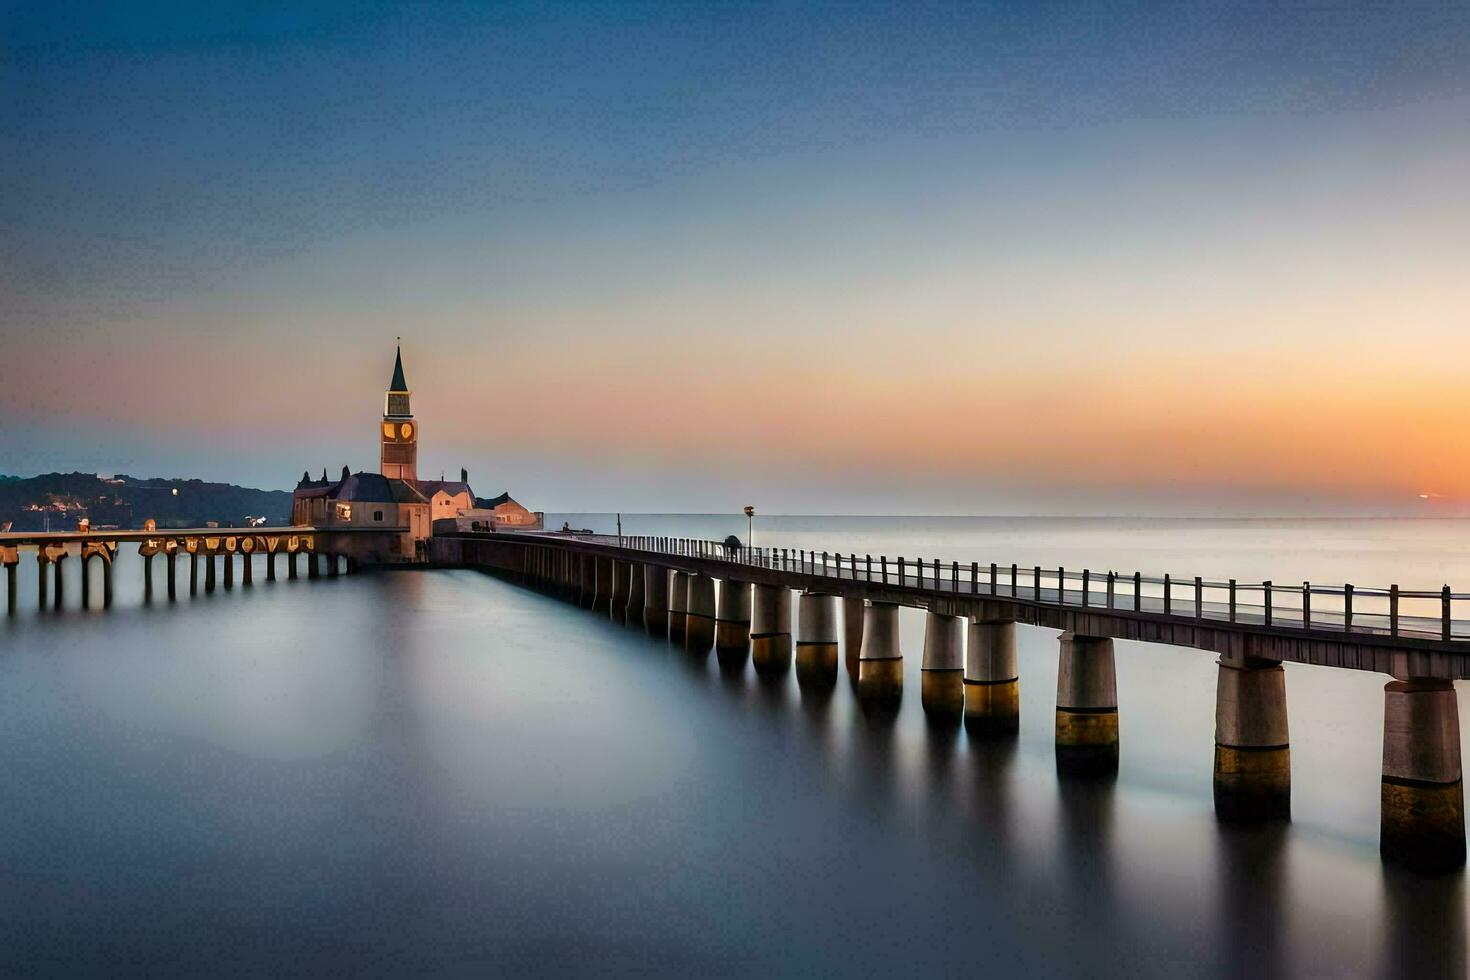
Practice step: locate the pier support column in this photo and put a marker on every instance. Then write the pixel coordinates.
(633, 607)
(170, 572)
(57, 598)
(678, 606)
(1252, 748)
(270, 566)
(699, 628)
(942, 691)
(291, 566)
(147, 578)
(10, 587)
(880, 664)
(208, 572)
(1087, 705)
(106, 583)
(228, 557)
(656, 599)
(732, 622)
(770, 630)
(587, 572)
(602, 584)
(193, 573)
(853, 611)
(1423, 799)
(42, 578)
(332, 570)
(313, 567)
(86, 582)
(992, 684)
(247, 561)
(618, 609)
(816, 641)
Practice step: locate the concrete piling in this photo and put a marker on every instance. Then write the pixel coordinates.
(942, 690)
(618, 605)
(732, 622)
(170, 559)
(770, 630)
(853, 611)
(633, 607)
(992, 684)
(229, 560)
(57, 598)
(106, 583)
(1087, 705)
(42, 578)
(816, 642)
(678, 606)
(291, 566)
(699, 629)
(209, 572)
(1252, 747)
(656, 599)
(10, 587)
(880, 663)
(602, 584)
(1422, 823)
(270, 565)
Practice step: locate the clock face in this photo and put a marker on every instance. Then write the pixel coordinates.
(387, 430)
(406, 430)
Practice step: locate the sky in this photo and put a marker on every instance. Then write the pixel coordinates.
(851, 258)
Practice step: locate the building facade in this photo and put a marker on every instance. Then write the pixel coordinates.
(395, 497)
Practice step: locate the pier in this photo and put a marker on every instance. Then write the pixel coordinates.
(1421, 639)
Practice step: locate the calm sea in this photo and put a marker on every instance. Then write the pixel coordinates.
(444, 772)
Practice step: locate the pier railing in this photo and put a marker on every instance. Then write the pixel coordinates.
(1308, 607)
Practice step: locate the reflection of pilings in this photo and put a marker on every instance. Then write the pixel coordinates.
(880, 664)
(1087, 705)
(331, 560)
(699, 627)
(1423, 802)
(678, 606)
(1425, 925)
(602, 584)
(633, 608)
(942, 690)
(1252, 748)
(992, 686)
(770, 630)
(1254, 899)
(852, 634)
(588, 581)
(732, 622)
(656, 599)
(816, 641)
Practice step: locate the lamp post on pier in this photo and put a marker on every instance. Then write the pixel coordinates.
(749, 526)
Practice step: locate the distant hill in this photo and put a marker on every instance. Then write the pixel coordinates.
(127, 502)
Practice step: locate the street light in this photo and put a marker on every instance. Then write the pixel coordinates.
(749, 526)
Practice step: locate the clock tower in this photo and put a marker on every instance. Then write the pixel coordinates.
(399, 436)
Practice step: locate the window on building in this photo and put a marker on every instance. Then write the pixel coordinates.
(344, 512)
(377, 515)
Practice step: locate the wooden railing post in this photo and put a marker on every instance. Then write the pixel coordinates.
(884, 561)
(1347, 608)
(1086, 584)
(1266, 589)
(1444, 614)
(1112, 577)
(1036, 583)
(1306, 605)
(1061, 586)
(1137, 591)
(1199, 598)
(1232, 600)
(1168, 596)
(1393, 610)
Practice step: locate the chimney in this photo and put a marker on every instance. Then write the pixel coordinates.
(464, 475)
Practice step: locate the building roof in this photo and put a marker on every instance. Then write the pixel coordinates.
(398, 384)
(430, 487)
(490, 503)
(363, 488)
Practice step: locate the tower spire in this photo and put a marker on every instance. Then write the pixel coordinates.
(398, 384)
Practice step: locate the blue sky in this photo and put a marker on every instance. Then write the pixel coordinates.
(218, 216)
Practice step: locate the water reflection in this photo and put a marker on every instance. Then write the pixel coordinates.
(1250, 868)
(1425, 924)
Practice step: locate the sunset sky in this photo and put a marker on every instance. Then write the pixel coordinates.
(909, 258)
